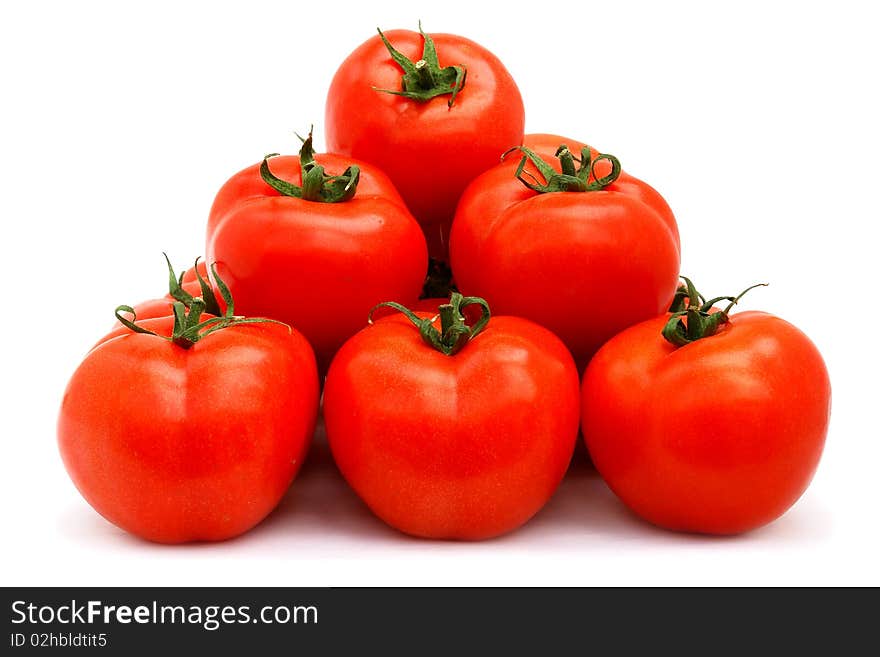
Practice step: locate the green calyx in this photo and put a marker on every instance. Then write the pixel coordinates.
(187, 309)
(691, 319)
(454, 332)
(316, 186)
(424, 79)
(573, 178)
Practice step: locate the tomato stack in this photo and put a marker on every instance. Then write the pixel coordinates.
(455, 417)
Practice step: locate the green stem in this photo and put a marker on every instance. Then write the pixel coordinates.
(580, 178)
(425, 79)
(317, 185)
(449, 317)
(189, 327)
(679, 300)
(454, 331)
(695, 321)
(566, 160)
(176, 291)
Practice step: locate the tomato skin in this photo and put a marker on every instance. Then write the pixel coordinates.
(466, 447)
(177, 445)
(319, 267)
(557, 258)
(720, 436)
(429, 150)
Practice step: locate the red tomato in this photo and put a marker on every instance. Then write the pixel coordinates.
(199, 443)
(559, 257)
(430, 142)
(318, 266)
(718, 436)
(463, 446)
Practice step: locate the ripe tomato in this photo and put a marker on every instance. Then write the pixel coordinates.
(194, 437)
(556, 257)
(719, 435)
(431, 138)
(320, 260)
(464, 437)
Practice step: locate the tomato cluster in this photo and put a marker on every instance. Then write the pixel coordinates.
(451, 417)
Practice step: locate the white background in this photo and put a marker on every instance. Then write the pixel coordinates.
(757, 121)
